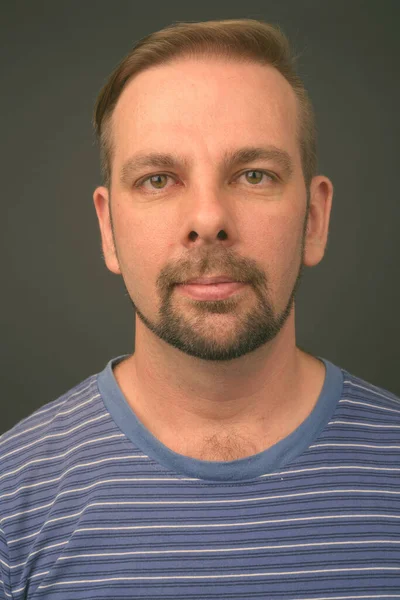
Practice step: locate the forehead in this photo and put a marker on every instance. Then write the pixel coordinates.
(205, 105)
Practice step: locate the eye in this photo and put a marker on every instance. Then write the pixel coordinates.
(255, 181)
(153, 179)
(158, 181)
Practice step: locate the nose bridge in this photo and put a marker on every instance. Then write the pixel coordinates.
(208, 212)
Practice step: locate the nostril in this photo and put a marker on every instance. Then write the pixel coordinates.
(192, 236)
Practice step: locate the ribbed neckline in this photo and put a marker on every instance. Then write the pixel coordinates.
(257, 465)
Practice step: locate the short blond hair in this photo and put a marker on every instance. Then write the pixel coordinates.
(243, 40)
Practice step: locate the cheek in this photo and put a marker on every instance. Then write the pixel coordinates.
(276, 245)
(289, 254)
(144, 243)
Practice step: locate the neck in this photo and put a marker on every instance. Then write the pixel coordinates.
(260, 397)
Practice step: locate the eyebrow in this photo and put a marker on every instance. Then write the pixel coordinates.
(231, 158)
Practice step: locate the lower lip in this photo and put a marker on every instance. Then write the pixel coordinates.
(210, 291)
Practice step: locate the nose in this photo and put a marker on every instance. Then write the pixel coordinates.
(208, 219)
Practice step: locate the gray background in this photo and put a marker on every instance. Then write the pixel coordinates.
(64, 315)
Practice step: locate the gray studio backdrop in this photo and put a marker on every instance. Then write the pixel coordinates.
(64, 315)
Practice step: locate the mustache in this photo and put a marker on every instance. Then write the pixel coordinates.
(211, 264)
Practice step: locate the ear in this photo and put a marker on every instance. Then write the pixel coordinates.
(101, 201)
(321, 194)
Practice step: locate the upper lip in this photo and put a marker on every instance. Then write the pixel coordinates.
(205, 280)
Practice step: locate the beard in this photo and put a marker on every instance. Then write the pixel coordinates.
(196, 336)
(200, 334)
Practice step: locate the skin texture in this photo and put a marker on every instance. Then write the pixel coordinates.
(222, 379)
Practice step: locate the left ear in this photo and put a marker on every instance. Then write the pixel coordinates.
(321, 194)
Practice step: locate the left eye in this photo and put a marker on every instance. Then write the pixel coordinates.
(260, 173)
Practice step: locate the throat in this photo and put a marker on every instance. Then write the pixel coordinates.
(227, 446)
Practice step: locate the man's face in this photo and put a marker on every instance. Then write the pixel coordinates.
(207, 218)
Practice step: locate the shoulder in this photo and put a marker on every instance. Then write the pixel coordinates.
(54, 447)
(368, 406)
(47, 462)
(48, 417)
(45, 439)
(360, 392)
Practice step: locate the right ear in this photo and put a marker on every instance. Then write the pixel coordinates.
(102, 205)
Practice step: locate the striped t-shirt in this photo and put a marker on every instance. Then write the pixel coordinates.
(93, 506)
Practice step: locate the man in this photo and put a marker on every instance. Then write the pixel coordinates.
(218, 460)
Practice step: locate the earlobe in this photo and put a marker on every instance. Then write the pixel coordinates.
(316, 237)
(101, 201)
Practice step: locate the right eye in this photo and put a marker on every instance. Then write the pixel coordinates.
(153, 179)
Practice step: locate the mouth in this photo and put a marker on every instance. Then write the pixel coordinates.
(210, 280)
(210, 288)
